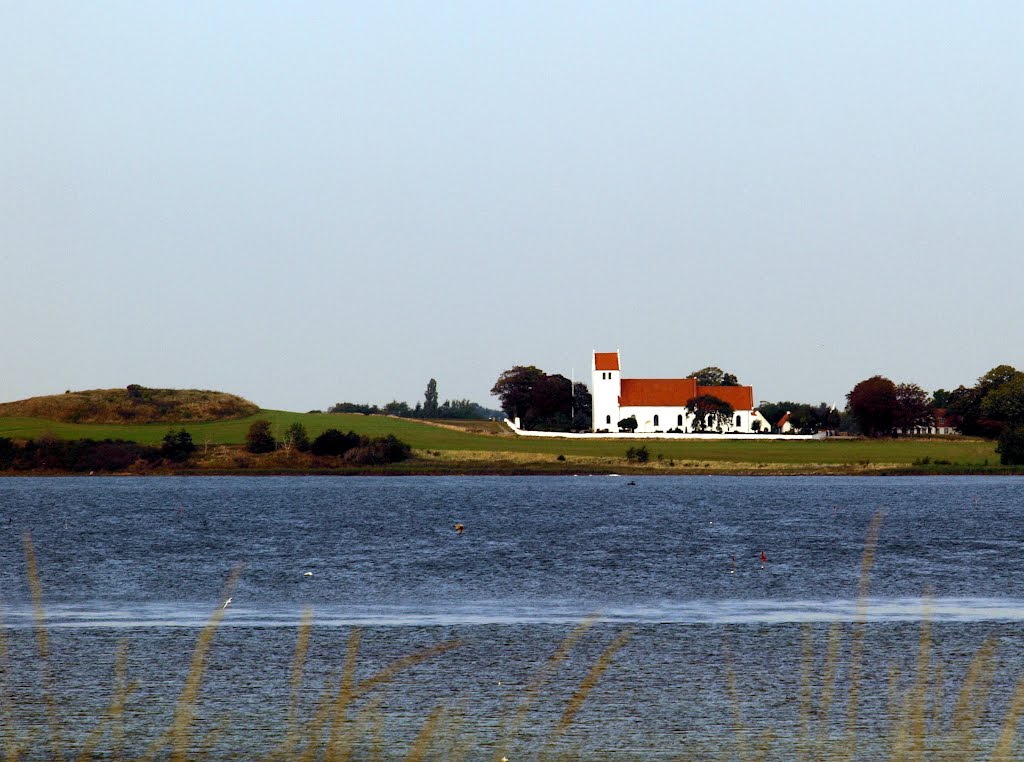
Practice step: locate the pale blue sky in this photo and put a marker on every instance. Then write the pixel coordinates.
(307, 203)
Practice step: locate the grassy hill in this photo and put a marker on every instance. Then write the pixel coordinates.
(134, 404)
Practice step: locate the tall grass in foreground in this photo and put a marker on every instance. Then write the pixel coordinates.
(347, 721)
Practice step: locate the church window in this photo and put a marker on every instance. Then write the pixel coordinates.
(655, 420)
(679, 420)
(607, 419)
(738, 421)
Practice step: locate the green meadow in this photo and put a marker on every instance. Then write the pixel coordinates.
(483, 438)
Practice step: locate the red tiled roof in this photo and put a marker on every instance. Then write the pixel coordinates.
(657, 392)
(941, 421)
(782, 421)
(606, 360)
(740, 397)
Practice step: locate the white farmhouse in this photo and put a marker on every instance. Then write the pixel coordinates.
(660, 404)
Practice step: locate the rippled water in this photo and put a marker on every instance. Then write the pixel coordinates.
(677, 559)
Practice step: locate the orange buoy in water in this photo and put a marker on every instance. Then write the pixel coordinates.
(459, 529)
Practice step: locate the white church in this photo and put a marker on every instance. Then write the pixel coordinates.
(659, 404)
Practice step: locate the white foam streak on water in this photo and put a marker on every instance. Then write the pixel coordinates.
(705, 612)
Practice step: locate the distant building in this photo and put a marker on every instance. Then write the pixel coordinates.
(784, 426)
(939, 425)
(660, 404)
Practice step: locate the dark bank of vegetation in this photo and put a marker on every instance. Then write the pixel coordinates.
(430, 408)
(330, 450)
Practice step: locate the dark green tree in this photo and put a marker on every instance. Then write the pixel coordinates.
(514, 388)
(177, 446)
(913, 408)
(430, 400)
(709, 412)
(333, 442)
(1011, 446)
(728, 379)
(396, 408)
(582, 407)
(259, 439)
(1005, 403)
(710, 376)
(628, 424)
(940, 398)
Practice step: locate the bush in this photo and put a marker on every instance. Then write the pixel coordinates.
(638, 454)
(628, 424)
(373, 452)
(259, 438)
(333, 442)
(1011, 446)
(177, 446)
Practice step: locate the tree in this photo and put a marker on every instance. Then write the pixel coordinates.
(710, 376)
(177, 446)
(728, 379)
(1011, 446)
(259, 439)
(582, 407)
(913, 408)
(940, 398)
(551, 406)
(1005, 403)
(296, 437)
(628, 424)
(872, 402)
(396, 408)
(514, 388)
(430, 400)
(709, 412)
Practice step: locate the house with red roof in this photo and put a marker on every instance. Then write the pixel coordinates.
(661, 404)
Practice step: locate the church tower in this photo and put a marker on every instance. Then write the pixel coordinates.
(605, 387)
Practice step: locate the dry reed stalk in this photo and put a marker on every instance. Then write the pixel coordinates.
(421, 745)
(540, 679)
(339, 741)
(739, 730)
(210, 739)
(602, 664)
(179, 734)
(919, 696)
(895, 711)
(325, 705)
(367, 717)
(1004, 746)
(971, 702)
(376, 730)
(938, 701)
(828, 685)
(11, 751)
(403, 663)
(115, 712)
(316, 725)
(43, 646)
(764, 745)
(806, 693)
(857, 635)
(298, 663)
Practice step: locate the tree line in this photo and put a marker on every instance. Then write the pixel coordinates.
(457, 409)
(993, 408)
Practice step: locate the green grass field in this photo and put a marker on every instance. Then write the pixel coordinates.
(424, 436)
